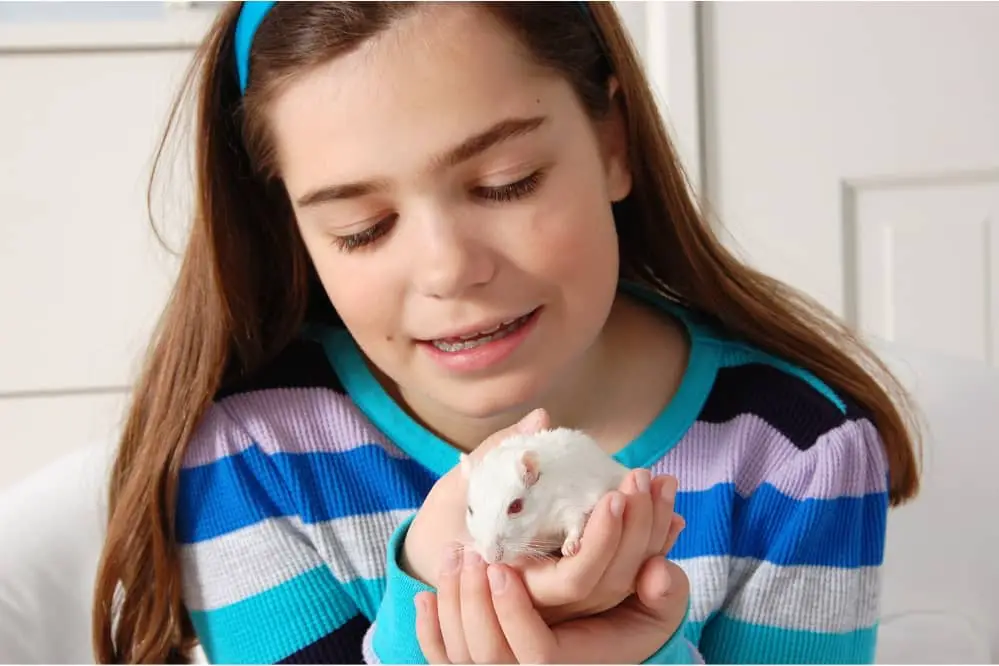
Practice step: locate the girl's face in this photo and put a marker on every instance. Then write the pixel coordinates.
(445, 187)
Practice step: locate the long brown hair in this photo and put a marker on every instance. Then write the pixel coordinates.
(246, 284)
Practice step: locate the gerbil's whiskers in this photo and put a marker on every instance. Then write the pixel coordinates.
(535, 549)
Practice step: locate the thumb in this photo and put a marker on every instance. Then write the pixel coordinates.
(531, 423)
(534, 421)
(662, 587)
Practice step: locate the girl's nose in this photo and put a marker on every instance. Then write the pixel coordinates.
(451, 260)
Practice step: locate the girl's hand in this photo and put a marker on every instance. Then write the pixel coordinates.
(487, 616)
(614, 546)
(627, 529)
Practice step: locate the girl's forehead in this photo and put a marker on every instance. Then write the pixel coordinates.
(434, 78)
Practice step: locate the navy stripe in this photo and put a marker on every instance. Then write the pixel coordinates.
(788, 403)
(246, 488)
(302, 364)
(768, 525)
(343, 646)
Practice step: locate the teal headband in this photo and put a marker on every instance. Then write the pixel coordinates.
(251, 15)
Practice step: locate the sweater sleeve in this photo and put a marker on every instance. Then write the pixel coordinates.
(391, 639)
(807, 552)
(254, 583)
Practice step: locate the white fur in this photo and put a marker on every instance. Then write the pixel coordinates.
(573, 474)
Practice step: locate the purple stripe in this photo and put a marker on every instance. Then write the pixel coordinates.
(306, 420)
(846, 461)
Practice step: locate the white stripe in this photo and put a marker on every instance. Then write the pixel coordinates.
(708, 577)
(812, 598)
(251, 560)
(367, 646)
(822, 599)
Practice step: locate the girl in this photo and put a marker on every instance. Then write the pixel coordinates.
(420, 227)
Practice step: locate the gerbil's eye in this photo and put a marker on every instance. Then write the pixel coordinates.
(515, 507)
(470, 512)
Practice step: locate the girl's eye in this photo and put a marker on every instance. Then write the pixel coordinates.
(366, 237)
(509, 192)
(512, 191)
(515, 507)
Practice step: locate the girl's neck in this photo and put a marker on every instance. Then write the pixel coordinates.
(627, 377)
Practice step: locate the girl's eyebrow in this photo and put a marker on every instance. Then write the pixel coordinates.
(475, 145)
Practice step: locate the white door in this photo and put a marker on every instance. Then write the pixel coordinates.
(852, 149)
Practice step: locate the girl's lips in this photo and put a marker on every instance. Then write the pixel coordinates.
(475, 331)
(481, 352)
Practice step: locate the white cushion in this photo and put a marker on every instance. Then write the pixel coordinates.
(941, 575)
(51, 528)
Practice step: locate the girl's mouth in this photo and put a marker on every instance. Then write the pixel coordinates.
(451, 345)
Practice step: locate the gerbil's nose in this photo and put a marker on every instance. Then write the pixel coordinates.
(492, 553)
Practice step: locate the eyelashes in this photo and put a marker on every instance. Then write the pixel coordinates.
(515, 191)
(512, 191)
(366, 237)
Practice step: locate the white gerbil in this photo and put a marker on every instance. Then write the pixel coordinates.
(532, 494)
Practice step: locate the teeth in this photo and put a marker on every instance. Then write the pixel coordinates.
(491, 330)
(477, 339)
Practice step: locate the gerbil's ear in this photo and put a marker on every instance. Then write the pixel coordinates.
(529, 468)
(465, 462)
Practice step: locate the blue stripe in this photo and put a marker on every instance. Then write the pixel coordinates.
(729, 641)
(269, 626)
(768, 525)
(243, 489)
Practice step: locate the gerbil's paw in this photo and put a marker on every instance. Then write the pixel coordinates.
(570, 547)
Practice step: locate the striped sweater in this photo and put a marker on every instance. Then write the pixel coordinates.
(298, 487)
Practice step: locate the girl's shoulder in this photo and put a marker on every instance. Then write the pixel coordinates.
(775, 424)
(753, 384)
(293, 405)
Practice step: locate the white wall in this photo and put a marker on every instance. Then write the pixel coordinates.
(86, 89)
(82, 275)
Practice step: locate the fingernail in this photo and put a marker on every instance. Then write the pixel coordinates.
(617, 505)
(683, 525)
(420, 601)
(452, 561)
(668, 492)
(643, 480)
(497, 579)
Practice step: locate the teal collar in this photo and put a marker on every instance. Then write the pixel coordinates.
(438, 456)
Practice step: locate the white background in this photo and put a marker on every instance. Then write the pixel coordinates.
(849, 148)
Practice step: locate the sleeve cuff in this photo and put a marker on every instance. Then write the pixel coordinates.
(677, 650)
(394, 640)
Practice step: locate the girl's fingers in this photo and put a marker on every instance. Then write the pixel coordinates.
(483, 634)
(529, 638)
(428, 629)
(449, 607)
(663, 501)
(571, 579)
(632, 550)
(676, 526)
(661, 584)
